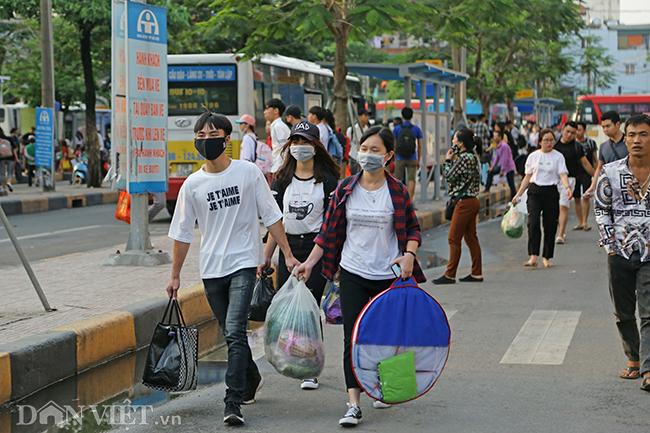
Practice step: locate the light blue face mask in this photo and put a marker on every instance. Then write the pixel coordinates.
(302, 152)
(370, 162)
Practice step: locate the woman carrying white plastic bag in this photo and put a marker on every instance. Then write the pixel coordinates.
(292, 335)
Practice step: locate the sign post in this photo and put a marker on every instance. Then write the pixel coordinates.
(45, 146)
(140, 115)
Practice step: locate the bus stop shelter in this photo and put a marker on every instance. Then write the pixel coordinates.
(543, 109)
(436, 124)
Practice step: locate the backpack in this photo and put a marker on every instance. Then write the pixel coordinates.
(263, 156)
(6, 150)
(334, 147)
(406, 142)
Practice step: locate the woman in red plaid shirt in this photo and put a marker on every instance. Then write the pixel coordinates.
(369, 226)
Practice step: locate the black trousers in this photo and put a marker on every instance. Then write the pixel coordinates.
(542, 200)
(629, 288)
(510, 177)
(356, 291)
(301, 246)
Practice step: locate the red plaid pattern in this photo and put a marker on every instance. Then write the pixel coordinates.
(333, 230)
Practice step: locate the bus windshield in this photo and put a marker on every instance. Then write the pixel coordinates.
(193, 89)
(585, 112)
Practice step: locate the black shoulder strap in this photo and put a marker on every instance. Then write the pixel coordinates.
(613, 146)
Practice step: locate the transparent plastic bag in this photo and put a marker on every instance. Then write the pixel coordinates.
(292, 335)
(512, 223)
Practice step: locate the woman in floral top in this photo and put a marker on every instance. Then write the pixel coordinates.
(463, 177)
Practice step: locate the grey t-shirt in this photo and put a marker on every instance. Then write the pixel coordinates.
(607, 155)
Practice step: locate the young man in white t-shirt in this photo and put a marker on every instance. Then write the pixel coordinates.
(273, 111)
(226, 197)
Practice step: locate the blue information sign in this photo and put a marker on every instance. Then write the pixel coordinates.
(44, 137)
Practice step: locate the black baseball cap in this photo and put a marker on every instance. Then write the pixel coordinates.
(306, 130)
(293, 111)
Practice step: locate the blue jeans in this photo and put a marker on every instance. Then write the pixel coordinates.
(230, 300)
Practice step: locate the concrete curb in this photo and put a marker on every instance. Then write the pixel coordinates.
(26, 365)
(55, 202)
(433, 218)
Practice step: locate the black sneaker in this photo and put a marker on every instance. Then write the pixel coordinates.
(352, 416)
(252, 388)
(444, 280)
(232, 415)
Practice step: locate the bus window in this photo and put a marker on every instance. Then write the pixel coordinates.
(189, 98)
(641, 108)
(585, 112)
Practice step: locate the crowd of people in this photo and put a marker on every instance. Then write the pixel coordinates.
(336, 212)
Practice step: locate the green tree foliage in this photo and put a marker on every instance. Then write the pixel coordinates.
(510, 42)
(265, 26)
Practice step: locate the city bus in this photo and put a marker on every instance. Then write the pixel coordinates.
(589, 108)
(225, 84)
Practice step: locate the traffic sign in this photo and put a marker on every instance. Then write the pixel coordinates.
(525, 93)
(44, 137)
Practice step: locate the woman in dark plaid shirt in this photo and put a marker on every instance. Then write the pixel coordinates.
(369, 226)
(464, 179)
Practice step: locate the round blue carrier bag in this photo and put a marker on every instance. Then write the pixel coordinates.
(400, 343)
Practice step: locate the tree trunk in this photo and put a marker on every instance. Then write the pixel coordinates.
(511, 108)
(92, 143)
(340, 84)
(457, 62)
(485, 107)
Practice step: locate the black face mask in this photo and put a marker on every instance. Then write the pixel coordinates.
(210, 148)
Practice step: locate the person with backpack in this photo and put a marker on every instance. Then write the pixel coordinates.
(249, 142)
(369, 226)
(339, 147)
(329, 140)
(29, 155)
(302, 189)
(408, 147)
(6, 159)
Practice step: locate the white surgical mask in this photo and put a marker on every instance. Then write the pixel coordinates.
(302, 153)
(370, 162)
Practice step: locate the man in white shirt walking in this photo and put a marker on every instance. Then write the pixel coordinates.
(226, 196)
(273, 111)
(316, 116)
(355, 138)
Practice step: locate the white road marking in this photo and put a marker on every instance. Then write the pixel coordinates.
(450, 313)
(56, 232)
(544, 338)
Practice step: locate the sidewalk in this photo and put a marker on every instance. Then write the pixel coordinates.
(104, 312)
(27, 199)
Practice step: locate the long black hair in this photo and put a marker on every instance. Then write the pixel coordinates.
(324, 165)
(470, 140)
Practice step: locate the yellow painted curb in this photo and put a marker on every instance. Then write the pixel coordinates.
(110, 196)
(102, 337)
(5, 378)
(194, 304)
(31, 205)
(427, 220)
(106, 381)
(72, 198)
(210, 336)
(5, 422)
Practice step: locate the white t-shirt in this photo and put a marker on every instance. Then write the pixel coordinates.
(545, 167)
(227, 206)
(324, 133)
(248, 146)
(279, 135)
(303, 206)
(355, 139)
(371, 241)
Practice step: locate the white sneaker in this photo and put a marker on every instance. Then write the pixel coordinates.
(309, 384)
(352, 416)
(380, 405)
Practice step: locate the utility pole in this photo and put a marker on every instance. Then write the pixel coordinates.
(459, 62)
(47, 78)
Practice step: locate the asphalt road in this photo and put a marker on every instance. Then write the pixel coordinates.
(571, 383)
(69, 231)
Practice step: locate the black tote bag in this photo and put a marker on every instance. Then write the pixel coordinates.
(172, 361)
(262, 296)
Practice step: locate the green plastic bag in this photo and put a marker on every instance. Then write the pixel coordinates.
(512, 223)
(397, 378)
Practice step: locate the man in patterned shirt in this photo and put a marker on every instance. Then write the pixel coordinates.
(623, 216)
(482, 131)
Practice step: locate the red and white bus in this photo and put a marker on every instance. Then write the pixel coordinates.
(590, 108)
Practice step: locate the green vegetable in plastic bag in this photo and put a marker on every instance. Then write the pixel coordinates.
(512, 223)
